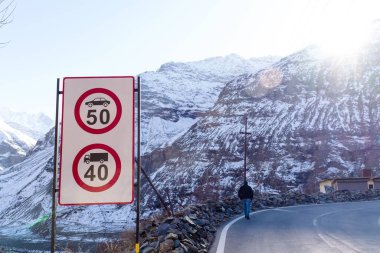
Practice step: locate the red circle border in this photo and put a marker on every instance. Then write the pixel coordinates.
(101, 130)
(114, 179)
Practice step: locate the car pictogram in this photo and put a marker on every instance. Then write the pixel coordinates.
(98, 101)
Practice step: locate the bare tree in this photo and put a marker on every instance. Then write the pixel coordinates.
(6, 10)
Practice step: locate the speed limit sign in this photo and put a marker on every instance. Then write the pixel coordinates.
(96, 165)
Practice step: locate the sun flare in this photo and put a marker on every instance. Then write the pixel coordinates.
(343, 36)
(345, 41)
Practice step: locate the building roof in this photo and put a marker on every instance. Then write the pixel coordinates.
(349, 179)
(352, 179)
(324, 180)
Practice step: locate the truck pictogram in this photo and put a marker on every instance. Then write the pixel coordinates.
(96, 157)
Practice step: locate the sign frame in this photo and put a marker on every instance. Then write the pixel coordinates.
(99, 133)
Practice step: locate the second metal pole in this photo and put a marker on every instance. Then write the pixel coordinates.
(54, 186)
(245, 150)
(138, 166)
(245, 147)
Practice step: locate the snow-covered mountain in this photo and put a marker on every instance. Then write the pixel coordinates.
(14, 145)
(309, 117)
(19, 133)
(169, 108)
(36, 125)
(174, 96)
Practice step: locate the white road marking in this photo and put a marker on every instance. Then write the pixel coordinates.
(345, 243)
(331, 240)
(326, 241)
(283, 210)
(223, 235)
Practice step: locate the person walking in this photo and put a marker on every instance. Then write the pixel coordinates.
(246, 195)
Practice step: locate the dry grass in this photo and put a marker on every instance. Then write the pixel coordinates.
(125, 243)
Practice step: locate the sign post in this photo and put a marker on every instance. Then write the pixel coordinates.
(138, 90)
(54, 184)
(97, 141)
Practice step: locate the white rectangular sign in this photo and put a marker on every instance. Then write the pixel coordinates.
(97, 141)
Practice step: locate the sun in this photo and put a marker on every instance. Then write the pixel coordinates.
(343, 29)
(344, 40)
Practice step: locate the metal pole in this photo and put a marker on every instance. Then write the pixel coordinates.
(160, 198)
(54, 190)
(245, 150)
(138, 165)
(245, 147)
(167, 209)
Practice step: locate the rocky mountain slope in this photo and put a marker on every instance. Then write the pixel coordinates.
(174, 96)
(309, 117)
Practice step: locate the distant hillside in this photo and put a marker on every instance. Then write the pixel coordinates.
(310, 118)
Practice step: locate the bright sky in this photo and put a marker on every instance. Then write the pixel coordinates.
(50, 39)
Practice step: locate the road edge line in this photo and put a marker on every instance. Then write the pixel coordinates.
(223, 235)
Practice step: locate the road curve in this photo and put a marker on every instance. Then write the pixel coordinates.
(337, 227)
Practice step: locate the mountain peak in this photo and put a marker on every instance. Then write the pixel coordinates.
(34, 124)
(229, 65)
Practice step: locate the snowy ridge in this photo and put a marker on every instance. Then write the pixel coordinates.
(19, 133)
(175, 96)
(14, 145)
(7, 133)
(34, 124)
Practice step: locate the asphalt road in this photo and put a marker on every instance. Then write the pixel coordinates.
(338, 227)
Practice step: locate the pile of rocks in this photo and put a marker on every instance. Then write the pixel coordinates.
(345, 195)
(192, 229)
(286, 199)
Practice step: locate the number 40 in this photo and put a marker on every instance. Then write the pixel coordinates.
(102, 172)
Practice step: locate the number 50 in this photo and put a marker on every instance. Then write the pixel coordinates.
(104, 117)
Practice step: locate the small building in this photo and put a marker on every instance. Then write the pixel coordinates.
(351, 184)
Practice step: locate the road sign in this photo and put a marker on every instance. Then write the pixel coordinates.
(97, 141)
(98, 111)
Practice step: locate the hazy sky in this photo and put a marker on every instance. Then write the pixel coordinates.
(58, 38)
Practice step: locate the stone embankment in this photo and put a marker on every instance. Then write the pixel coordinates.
(192, 230)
